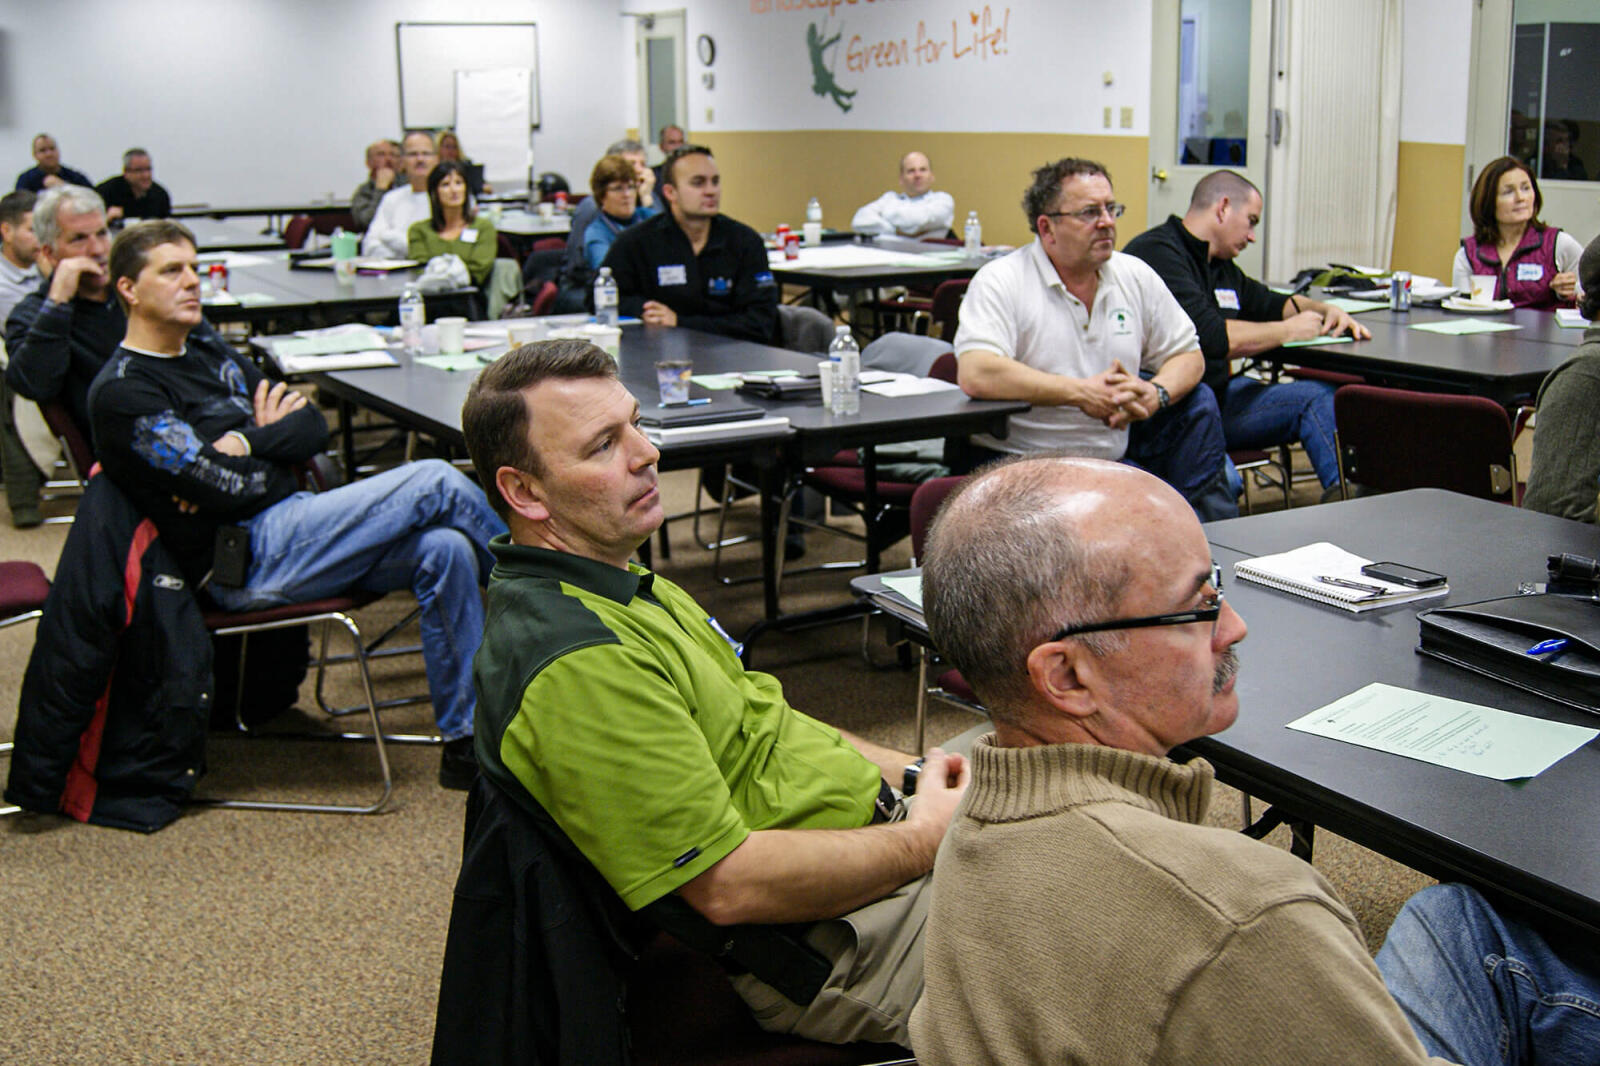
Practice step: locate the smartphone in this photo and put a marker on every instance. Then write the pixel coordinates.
(1401, 574)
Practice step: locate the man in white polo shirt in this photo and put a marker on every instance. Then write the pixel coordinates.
(1096, 342)
(404, 204)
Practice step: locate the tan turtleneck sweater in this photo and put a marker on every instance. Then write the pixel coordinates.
(1082, 914)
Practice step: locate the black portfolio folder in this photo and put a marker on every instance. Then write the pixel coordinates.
(1502, 638)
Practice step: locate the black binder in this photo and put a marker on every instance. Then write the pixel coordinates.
(1494, 638)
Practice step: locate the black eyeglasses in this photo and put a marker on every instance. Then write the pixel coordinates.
(1091, 214)
(1208, 613)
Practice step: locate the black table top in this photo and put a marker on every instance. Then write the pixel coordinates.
(222, 235)
(1535, 840)
(296, 292)
(281, 208)
(1502, 365)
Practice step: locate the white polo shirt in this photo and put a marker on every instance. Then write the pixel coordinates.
(1017, 307)
(398, 209)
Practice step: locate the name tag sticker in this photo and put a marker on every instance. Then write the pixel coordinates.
(677, 274)
(1530, 272)
(1227, 298)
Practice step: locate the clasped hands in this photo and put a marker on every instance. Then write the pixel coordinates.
(1117, 397)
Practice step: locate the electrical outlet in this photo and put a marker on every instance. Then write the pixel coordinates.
(1127, 118)
(1108, 118)
(710, 116)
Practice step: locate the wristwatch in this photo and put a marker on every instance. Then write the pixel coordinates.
(1163, 398)
(908, 780)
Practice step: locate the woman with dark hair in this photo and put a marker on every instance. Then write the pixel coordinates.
(454, 226)
(1565, 479)
(1535, 265)
(615, 185)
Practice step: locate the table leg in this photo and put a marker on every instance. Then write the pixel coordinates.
(869, 503)
(771, 480)
(347, 437)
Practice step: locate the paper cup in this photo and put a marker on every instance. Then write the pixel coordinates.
(524, 333)
(825, 369)
(547, 210)
(608, 338)
(672, 377)
(452, 335)
(1482, 290)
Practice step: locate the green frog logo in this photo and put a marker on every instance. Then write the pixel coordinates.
(822, 82)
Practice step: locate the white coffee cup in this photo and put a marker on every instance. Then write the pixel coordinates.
(547, 210)
(518, 335)
(825, 368)
(452, 335)
(1482, 290)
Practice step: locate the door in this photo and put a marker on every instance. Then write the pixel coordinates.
(663, 79)
(1532, 95)
(1209, 103)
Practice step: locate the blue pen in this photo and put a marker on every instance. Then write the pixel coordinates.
(688, 403)
(1545, 647)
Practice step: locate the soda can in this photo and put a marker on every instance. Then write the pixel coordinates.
(1400, 290)
(791, 245)
(561, 200)
(219, 277)
(780, 235)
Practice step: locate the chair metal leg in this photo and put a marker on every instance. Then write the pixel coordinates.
(374, 650)
(377, 736)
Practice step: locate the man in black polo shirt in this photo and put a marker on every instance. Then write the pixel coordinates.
(692, 266)
(135, 193)
(1237, 316)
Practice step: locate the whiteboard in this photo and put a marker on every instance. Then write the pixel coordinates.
(430, 53)
(492, 120)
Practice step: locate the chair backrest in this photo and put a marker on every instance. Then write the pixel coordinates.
(296, 232)
(1393, 439)
(74, 440)
(804, 329)
(925, 504)
(946, 310)
(944, 368)
(903, 353)
(550, 244)
(325, 222)
(546, 298)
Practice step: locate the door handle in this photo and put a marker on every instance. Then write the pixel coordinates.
(1158, 175)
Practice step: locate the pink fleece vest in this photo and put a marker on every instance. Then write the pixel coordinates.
(1538, 249)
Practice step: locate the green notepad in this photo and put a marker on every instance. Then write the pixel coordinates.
(1460, 327)
(1317, 342)
(456, 361)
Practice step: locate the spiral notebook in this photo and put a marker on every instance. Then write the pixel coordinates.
(1297, 571)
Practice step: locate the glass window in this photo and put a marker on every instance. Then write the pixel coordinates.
(1214, 82)
(1555, 111)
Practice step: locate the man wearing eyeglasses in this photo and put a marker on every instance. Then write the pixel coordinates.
(403, 204)
(1095, 342)
(1083, 911)
(1237, 317)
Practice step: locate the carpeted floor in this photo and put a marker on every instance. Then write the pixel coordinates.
(243, 937)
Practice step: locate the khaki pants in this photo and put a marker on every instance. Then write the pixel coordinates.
(877, 965)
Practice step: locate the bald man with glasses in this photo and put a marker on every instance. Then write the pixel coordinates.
(1095, 342)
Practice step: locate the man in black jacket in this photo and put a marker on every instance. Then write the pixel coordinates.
(135, 193)
(1237, 316)
(692, 266)
(197, 439)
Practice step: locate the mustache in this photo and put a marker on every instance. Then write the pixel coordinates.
(1226, 669)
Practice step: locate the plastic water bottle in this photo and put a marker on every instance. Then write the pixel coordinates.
(605, 298)
(412, 316)
(813, 227)
(847, 377)
(973, 232)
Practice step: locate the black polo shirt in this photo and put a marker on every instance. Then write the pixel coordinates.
(727, 289)
(1211, 291)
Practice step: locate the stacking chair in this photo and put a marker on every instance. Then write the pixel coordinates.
(944, 310)
(23, 590)
(73, 442)
(949, 686)
(1393, 439)
(295, 233)
(1258, 462)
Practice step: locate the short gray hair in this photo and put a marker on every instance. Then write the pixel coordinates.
(626, 145)
(75, 199)
(127, 157)
(1004, 572)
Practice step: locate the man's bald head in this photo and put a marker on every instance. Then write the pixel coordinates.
(916, 173)
(1219, 183)
(1025, 548)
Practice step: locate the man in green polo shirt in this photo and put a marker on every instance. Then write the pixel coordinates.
(613, 699)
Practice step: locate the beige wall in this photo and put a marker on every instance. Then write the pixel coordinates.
(1427, 228)
(769, 176)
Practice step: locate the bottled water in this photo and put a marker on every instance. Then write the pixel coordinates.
(605, 298)
(973, 232)
(814, 211)
(412, 316)
(847, 373)
(813, 227)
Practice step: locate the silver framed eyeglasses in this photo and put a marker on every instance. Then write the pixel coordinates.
(1091, 214)
(1208, 613)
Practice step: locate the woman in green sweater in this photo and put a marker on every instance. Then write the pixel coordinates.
(454, 226)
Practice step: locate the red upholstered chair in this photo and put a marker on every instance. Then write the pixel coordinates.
(945, 307)
(1393, 439)
(298, 229)
(545, 299)
(23, 590)
(949, 686)
(549, 244)
(326, 222)
(74, 442)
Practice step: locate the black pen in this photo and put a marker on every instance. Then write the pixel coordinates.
(1296, 304)
(1345, 583)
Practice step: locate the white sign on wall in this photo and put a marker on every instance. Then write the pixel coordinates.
(492, 118)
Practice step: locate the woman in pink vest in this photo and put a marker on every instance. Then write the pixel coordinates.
(1535, 265)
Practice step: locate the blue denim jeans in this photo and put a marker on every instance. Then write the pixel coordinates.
(1183, 446)
(1258, 415)
(424, 525)
(1479, 988)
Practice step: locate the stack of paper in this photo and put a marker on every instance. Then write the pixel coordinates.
(1572, 318)
(1299, 572)
(344, 349)
(772, 425)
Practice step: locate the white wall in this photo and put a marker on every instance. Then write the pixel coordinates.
(1026, 66)
(1435, 60)
(249, 101)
